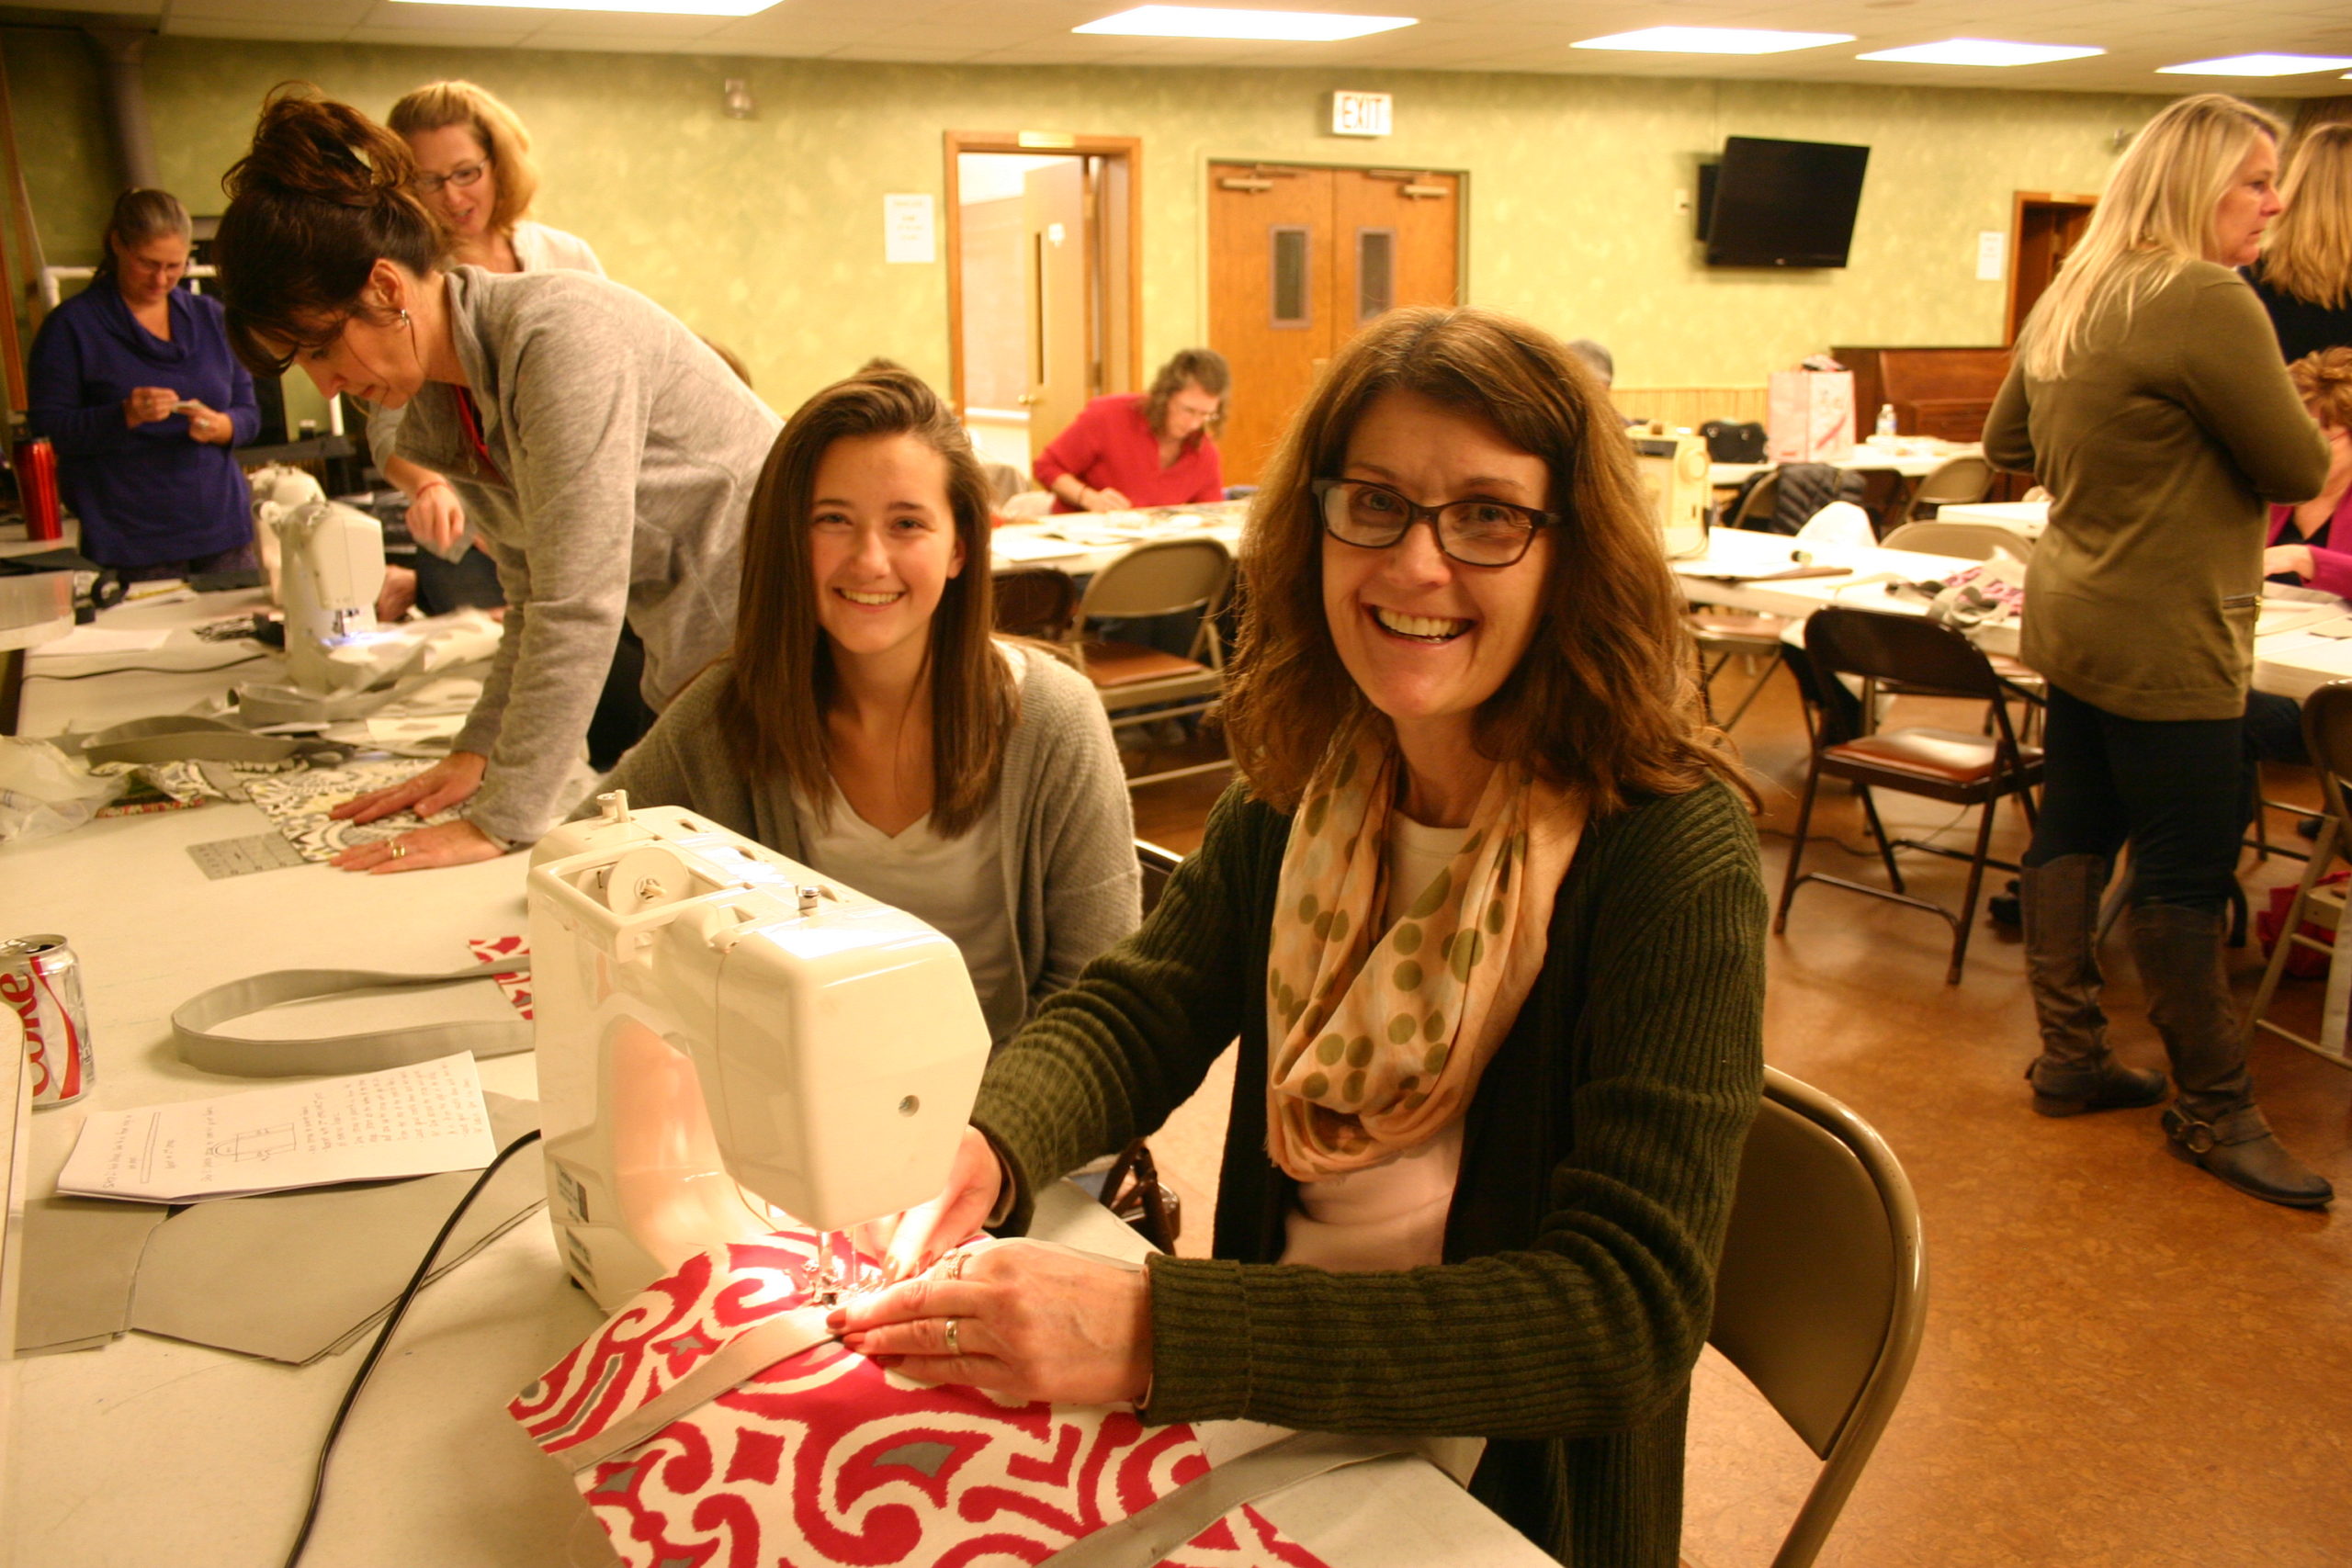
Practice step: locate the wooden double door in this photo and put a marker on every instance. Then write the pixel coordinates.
(1299, 259)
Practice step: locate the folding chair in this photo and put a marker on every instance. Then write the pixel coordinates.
(1823, 1290)
(1956, 481)
(2327, 732)
(1722, 636)
(1038, 601)
(1142, 685)
(1941, 764)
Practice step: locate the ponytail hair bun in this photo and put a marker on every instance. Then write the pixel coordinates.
(322, 195)
(2324, 380)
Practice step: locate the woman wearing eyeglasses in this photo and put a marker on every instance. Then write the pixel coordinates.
(475, 172)
(606, 456)
(1485, 917)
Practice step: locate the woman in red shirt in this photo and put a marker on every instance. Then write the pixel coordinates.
(1143, 448)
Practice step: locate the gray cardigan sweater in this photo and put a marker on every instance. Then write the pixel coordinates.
(623, 455)
(1070, 878)
(1598, 1156)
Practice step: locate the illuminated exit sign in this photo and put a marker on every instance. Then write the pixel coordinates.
(1362, 114)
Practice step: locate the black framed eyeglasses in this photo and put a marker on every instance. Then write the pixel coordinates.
(1475, 533)
(464, 176)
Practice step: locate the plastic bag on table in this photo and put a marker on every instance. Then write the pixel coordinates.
(43, 792)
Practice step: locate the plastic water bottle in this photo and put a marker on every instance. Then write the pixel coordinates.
(1885, 429)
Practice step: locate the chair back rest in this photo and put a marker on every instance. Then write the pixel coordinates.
(1035, 601)
(2327, 734)
(1909, 648)
(1823, 1292)
(1158, 864)
(1970, 541)
(1757, 498)
(1954, 482)
(1159, 578)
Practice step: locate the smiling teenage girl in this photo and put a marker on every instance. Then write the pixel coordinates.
(603, 453)
(869, 725)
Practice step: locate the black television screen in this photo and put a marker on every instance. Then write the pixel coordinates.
(1783, 203)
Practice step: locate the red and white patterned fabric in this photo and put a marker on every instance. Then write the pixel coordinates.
(825, 1459)
(505, 950)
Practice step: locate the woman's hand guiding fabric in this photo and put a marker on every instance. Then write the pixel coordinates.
(1026, 1321)
(452, 778)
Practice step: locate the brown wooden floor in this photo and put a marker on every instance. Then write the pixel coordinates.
(2126, 1363)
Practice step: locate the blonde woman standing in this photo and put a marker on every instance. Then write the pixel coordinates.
(2147, 396)
(2305, 275)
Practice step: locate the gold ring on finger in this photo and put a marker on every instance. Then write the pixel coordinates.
(955, 1261)
(400, 851)
(954, 1347)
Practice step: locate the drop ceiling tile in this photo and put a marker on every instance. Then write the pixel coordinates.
(223, 27)
(318, 14)
(614, 25)
(428, 37)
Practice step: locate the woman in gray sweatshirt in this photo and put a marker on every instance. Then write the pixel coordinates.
(604, 454)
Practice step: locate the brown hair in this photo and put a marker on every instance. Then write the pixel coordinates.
(783, 682)
(1604, 700)
(436, 105)
(1202, 367)
(321, 198)
(2310, 252)
(138, 216)
(2324, 380)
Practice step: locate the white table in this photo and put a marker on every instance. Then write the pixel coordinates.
(1864, 458)
(1103, 537)
(151, 1451)
(2026, 519)
(2292, 659)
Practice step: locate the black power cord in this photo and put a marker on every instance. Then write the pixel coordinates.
(143, 670)
(383, 1337)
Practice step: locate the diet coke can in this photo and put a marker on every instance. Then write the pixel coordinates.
(42, 980)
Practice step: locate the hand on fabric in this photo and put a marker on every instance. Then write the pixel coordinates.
(436, 519)
(1031, 1322)
(211, 425)
(914, 1241)
(2296, 559)
(447, 843)
(452, 778)
(1106, 501)
(147, 404)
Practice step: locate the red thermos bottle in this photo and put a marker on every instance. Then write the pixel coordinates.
(36, 465)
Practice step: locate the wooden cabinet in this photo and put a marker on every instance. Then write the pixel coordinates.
(1944, 393)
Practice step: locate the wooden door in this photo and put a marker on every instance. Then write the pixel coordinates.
(1057, 224)
(2043, 229)
(1299, 259)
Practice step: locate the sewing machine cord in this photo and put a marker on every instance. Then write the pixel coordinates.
(383, 1337)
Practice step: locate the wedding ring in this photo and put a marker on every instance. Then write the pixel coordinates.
(399, 850)
(955, 1264)
(953, 1349)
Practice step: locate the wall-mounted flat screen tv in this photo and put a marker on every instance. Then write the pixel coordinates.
(1781, 203)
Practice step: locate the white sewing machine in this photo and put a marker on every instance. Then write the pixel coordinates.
(722, 1036)
(1674, 473)
(331, 569)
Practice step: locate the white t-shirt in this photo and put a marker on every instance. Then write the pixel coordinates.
(1393, 1216)
(538, 248)
(956, 885)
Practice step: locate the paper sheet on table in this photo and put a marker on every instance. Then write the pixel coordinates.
(1026, 544)
(100, 639)
(294, 1276)
(412, 1120)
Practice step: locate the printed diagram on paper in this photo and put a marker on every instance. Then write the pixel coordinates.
(413, 1121)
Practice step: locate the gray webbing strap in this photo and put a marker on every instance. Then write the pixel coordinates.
(745, 1355)
(369, 1051)
(191, 739)
(1151, 1534)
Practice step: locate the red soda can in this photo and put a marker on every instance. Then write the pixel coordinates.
(36, 464)
(41, 980)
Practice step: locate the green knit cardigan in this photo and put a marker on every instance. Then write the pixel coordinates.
(1598, 1156)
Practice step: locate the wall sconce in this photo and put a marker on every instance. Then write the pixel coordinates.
(738, 99)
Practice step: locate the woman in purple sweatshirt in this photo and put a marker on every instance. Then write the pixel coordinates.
(133, 383)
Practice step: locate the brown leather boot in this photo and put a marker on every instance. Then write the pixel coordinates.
(2076, 1072)
(2215, 1124)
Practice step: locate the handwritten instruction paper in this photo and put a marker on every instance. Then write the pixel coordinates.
(415, 1121)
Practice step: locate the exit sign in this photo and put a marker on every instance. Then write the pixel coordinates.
(1362, 114)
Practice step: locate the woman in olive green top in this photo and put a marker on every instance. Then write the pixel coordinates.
(1486, 922)
(2149, 397)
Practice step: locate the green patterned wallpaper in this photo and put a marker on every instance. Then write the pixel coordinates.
(766, 233)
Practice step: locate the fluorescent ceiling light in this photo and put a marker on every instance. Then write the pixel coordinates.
(2256, 65)
(1982, 52)
(635, 8)
(1714, 40)
(1201, 22)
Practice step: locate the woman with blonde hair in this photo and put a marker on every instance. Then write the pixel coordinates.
(2146, 398)
(2304, 278)
(1483, 926)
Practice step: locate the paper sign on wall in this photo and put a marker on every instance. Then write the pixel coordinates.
(1991, 254)
(909, 231)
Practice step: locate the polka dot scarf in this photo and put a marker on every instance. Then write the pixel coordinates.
(1380, 1037)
